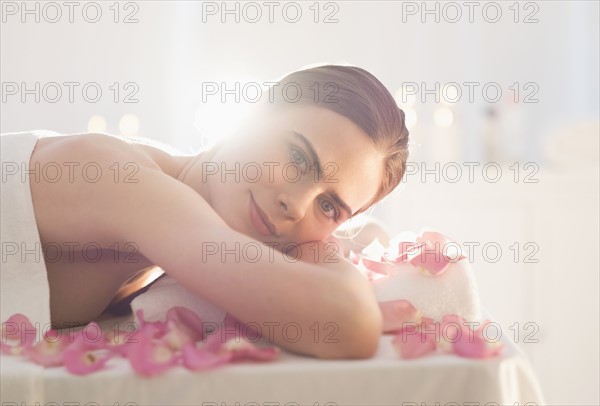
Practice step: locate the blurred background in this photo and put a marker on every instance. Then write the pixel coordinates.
(501, 99)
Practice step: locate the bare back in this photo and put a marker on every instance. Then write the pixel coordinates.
(84, 270)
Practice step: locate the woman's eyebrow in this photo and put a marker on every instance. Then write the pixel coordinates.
(311, 150)
(313, 154)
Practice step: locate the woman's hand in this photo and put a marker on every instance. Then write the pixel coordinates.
(369, 231)
(328, 253)
(317, 252)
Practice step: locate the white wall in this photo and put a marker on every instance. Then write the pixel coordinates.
(170, 52)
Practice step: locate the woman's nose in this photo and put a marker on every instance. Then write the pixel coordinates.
(294, 203)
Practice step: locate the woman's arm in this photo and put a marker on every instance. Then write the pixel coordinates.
(325, 305)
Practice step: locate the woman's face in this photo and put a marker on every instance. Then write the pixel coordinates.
(269, 171)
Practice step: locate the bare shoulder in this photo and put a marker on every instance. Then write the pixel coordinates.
(91, 146)
(85, 183)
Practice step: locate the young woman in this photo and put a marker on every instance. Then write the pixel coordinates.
(231, 222)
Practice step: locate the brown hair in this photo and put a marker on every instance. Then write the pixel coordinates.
(359, 96)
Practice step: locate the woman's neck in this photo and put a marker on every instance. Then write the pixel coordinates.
(191, 173)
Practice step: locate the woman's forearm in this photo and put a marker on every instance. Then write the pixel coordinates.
(326, 311)
(333, 311)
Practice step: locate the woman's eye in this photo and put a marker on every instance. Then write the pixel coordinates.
(329, 208)
(299, 159)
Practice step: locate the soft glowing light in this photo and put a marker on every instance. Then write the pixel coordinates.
(410, 116)
(443, 117)
(96, 124)
(405, 98)
(450, 94)
(153, 275)
(129, 125)
(217, 120)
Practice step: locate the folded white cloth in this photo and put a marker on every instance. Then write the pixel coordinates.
(166, 293)
(24, 286)
(453, 292)
(441, 286)
(24, 280)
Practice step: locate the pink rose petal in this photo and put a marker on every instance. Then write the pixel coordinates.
(236, 338)
(119, 341)
(433, 258)
(188, 322)
(82, 362)
(151, 357)
(154, 328)
(199, 358)
(87, 354)
(175, 336)
(473, 344)
(48, 352)
(17, 334)
(413, 344)
(397, 313)
(231, 329)
(16, 327)
(245, 350)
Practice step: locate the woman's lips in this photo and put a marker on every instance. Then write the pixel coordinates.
(258, 219)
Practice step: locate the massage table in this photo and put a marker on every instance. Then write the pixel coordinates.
(291, 379)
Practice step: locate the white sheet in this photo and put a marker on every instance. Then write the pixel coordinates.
(382, 380)
(23, 276)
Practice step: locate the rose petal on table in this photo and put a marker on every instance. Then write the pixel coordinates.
(49, 351)
(411, 344)
(476, 346)
(230, 328)
(196, 359)
(85, 356)
(238, 339)
(151, 357)
(452, 328)
(156, 329)
(243, 349)
(16, 328)
(189, 322)
(118, 340)
(397, 313)
(17, 333)
(177, 336)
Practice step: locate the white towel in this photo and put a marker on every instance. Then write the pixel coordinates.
(453, 292)
(24, 281)
(166, 293)
(24, 284)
